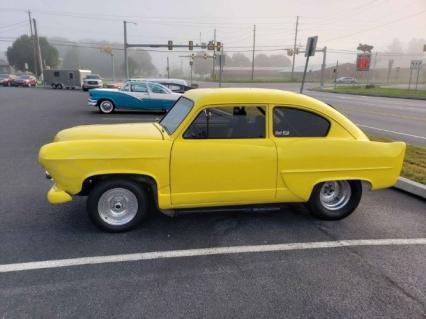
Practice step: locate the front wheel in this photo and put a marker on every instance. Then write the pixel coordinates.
(333, 200)
(106, 107)
(117, 205)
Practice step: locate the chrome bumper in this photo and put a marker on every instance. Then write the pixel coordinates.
(91, 102)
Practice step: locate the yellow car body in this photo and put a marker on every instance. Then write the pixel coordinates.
(190, 173)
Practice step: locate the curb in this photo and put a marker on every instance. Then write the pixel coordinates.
(391, 97)
(412, 187)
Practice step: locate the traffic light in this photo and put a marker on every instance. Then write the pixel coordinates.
(210, 46)
(296, 51)
(218, 46)
(289, 52)
(170, 44)
(191, 45)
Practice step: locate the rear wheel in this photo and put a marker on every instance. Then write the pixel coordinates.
(59, 86)
(117, 205)
(106, 107)
(333, 200)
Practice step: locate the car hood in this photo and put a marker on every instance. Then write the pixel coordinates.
(150, 131)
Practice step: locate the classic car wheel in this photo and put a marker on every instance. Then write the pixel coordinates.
(106, 107)
(117, 205)
(333, 200)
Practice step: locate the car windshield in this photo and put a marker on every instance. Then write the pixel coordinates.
(93, 76)
(4, 76)
(176, 115)
(24, 77)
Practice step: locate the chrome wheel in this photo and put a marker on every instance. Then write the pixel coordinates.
(106, 107)
(118, 206)
(335, 194)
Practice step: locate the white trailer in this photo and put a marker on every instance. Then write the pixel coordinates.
(64, 79)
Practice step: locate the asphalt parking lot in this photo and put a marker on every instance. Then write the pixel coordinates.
(386, 281)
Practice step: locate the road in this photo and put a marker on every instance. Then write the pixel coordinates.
(385, 281)
(399, 119)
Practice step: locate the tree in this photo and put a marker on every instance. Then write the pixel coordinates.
(395, 46)
(415, 46)
(202, 66)
(238, 59)
(22, 49)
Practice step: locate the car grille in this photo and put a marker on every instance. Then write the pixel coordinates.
(92, 82)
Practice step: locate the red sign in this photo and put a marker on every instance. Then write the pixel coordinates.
(363, 62)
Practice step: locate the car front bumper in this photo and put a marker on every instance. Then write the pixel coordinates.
(91, 102)
(92, 86)
(58, 196)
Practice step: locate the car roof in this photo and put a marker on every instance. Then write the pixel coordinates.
(223, 96)
(162, 80)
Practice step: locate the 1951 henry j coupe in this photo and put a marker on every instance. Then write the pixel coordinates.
(220, 148)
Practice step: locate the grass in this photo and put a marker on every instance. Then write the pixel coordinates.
(414, 166)
(378, 91)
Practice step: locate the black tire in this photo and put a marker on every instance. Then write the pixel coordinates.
(117, 185)
(106, 107)
(321, 210)
(59, 86)
(85, 89)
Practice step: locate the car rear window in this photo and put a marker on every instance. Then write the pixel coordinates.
(293, 122)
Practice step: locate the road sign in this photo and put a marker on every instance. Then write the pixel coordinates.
(363, 62)
(191, 45)
(311, 46)
(210, 46)
(416, 64)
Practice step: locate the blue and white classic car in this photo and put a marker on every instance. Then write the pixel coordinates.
(134, 95)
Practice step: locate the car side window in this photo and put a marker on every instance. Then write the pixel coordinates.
(293, 122)
(156, 89)
(139, 87)
(228, 122)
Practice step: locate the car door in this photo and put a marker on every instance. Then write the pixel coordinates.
(224, 157)
(161, 97)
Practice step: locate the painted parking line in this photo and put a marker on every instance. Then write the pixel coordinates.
(5, 268)
(394, 132)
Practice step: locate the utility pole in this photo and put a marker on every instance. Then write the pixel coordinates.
(294, 48)
(214, 56)
(324, 57)
(126, 63)
(335, 74)
(34, 44)
(40, 60)
(254, 48)
(113, 66)
(168, 68)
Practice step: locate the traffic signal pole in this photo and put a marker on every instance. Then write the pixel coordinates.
(40, 60)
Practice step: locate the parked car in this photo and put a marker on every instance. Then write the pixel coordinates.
(25, 80)
(220, 148)
(92, 81)
(137, 95)
(346, 80)
(7, 79)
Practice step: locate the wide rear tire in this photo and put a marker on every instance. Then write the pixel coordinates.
(334, 200)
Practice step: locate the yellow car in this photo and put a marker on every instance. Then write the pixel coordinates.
(220, 148)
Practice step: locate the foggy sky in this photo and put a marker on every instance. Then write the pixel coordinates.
(339, 24)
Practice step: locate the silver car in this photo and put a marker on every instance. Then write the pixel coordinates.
(92, 81)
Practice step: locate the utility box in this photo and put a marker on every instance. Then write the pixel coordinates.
(65, 79)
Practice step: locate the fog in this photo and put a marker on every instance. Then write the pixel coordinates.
(340, 25)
